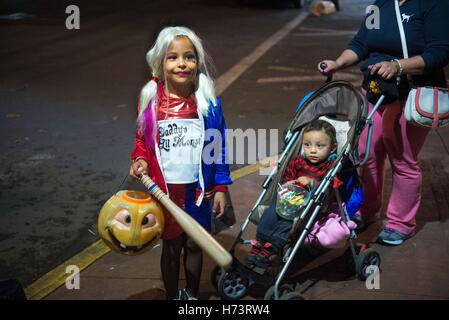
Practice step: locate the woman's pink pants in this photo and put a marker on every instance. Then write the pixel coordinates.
(401, 142)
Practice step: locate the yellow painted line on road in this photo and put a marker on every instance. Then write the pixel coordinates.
(52, 280)
(239, 173)
(57, 277)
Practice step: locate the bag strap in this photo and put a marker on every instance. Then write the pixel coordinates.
(402, 34)
(401, 30)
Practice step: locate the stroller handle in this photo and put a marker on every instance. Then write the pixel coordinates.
(323, 66)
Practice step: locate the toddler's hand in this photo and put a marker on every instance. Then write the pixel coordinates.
(305, 181)
(138, 168)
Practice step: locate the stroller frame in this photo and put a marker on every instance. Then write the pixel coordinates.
(365, 258)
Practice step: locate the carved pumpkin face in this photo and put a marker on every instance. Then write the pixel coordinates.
(131, 222)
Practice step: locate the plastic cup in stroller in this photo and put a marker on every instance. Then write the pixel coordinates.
(290, 199)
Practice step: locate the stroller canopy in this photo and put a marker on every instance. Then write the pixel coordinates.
(337, 99)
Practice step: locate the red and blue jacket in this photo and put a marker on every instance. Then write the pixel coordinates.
(212, 176)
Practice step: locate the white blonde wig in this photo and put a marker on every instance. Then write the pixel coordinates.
(205, 91)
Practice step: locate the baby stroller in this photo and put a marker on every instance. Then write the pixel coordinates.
(339, 103)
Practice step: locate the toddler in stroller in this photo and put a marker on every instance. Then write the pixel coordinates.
(318, 153)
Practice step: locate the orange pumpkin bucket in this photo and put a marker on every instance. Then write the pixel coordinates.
(131, 222)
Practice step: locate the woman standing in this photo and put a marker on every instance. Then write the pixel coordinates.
(426, 26)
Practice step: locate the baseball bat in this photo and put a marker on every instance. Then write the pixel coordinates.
(192, 228)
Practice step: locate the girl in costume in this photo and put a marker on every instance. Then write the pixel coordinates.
(177, 109)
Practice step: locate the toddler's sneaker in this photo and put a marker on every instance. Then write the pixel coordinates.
(392, 237)
(266, 256)
(252, 254)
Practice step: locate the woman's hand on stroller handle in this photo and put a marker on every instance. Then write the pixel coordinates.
(327, 68)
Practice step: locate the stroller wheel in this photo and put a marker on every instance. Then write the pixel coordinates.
(367, 263)
(215, 276)
(284, 290)
(232, 285)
